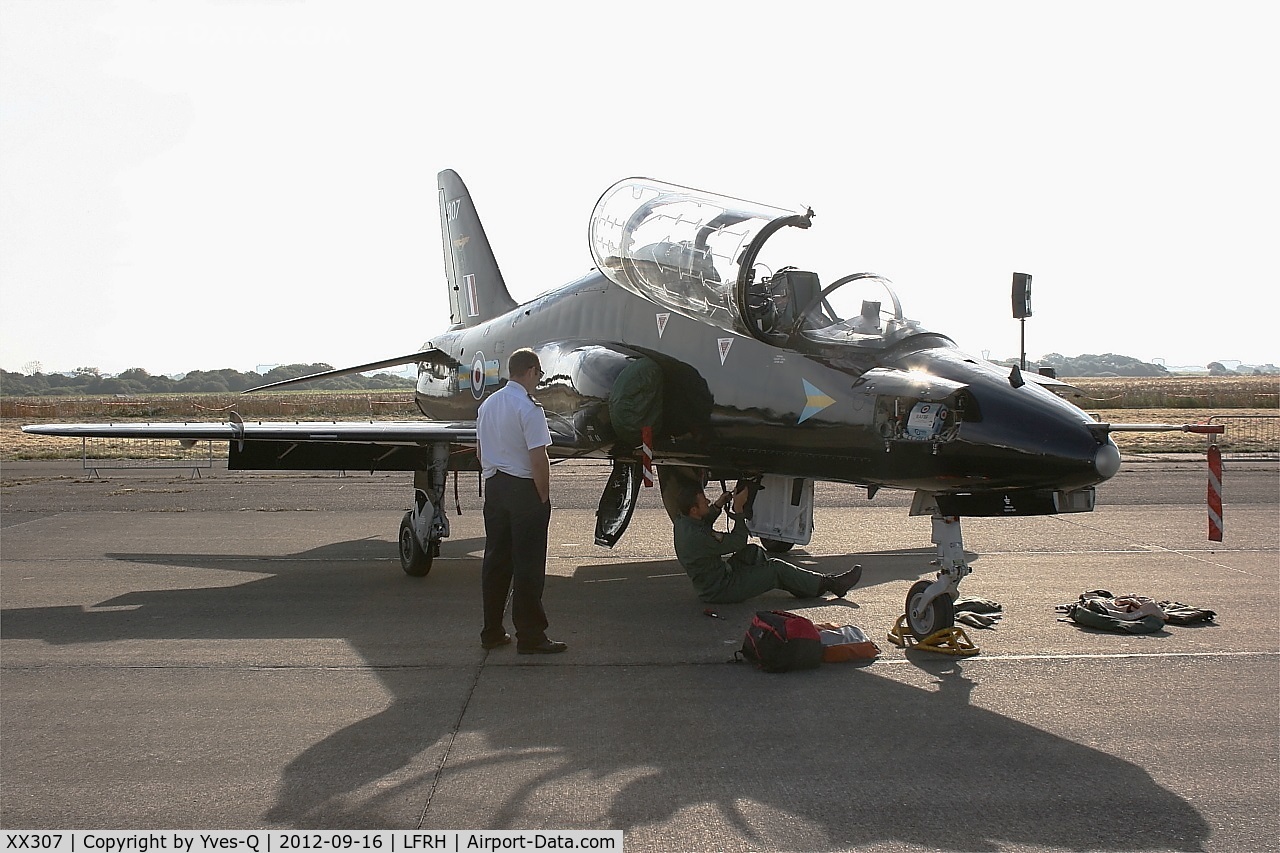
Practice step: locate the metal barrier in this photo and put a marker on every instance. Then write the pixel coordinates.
(131, 453)
(1248, 436)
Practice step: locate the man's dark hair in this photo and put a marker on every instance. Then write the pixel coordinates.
(521, 361)
(686, 497)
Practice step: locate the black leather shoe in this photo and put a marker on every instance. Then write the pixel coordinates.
(504, 640)
(546, 647)
(839, 585)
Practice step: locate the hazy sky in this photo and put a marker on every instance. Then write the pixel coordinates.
(203, 185)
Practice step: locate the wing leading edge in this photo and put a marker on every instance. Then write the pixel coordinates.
(368, 432)
(305, 446)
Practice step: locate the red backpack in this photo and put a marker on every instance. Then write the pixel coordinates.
(778, 641)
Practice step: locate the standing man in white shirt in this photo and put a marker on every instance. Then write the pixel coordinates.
(511, 429)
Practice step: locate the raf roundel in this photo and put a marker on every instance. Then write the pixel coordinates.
(477, 376)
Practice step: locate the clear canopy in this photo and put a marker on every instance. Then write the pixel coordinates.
(695, 253)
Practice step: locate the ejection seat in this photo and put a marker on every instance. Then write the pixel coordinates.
(778, 300)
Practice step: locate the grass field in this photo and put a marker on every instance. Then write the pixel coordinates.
(1175, 399)
(1178, 392)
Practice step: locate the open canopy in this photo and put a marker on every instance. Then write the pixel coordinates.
(695, 253)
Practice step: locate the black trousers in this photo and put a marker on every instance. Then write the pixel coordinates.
(515, 558)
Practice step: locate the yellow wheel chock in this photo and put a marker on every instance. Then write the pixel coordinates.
(948, 641)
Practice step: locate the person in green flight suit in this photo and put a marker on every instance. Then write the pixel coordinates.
(725, 568)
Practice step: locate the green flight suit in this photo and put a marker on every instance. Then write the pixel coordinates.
(746, 572)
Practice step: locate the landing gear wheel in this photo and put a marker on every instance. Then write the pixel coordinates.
(938, 615)
(413, 559)
(776, 546)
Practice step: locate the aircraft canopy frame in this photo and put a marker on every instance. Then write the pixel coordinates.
(688, 250)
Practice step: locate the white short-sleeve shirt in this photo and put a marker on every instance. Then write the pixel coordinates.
(508, 426)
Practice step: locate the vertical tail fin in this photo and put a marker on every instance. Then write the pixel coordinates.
(476, 290)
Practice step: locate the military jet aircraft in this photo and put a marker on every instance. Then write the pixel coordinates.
(689, 347)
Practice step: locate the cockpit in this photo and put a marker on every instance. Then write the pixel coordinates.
(697, 254)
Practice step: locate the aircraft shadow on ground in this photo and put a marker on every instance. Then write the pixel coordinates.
(838, 757)
(832, 759)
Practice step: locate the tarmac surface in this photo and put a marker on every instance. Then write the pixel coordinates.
(243, 651)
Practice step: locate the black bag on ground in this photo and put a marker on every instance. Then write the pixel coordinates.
(778, 641)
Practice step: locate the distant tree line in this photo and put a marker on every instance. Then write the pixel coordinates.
(1106, 364)
(89, 381)
(1112, 364)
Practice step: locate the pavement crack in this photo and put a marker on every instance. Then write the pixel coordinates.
(448, 748)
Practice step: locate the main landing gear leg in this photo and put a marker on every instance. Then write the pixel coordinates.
(930, 612)
(426, 523)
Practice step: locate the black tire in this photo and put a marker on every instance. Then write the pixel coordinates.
(413, 559)
(776, 546)
(939, 614)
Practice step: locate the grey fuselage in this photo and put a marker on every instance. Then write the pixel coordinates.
(736, 405)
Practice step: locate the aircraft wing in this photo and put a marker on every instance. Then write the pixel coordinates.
(1065, 390)
(364, 432)
(304, 446)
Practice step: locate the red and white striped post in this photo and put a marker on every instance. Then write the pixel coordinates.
(646, 455)
(1215, 493)
(1215, 463)
(1215, 475)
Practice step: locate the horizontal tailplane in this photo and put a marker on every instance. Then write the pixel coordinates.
(430, 355)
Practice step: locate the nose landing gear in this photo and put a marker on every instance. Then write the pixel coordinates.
(928, 612)
(928, 622)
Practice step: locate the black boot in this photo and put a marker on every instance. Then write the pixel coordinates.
(839, 585)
